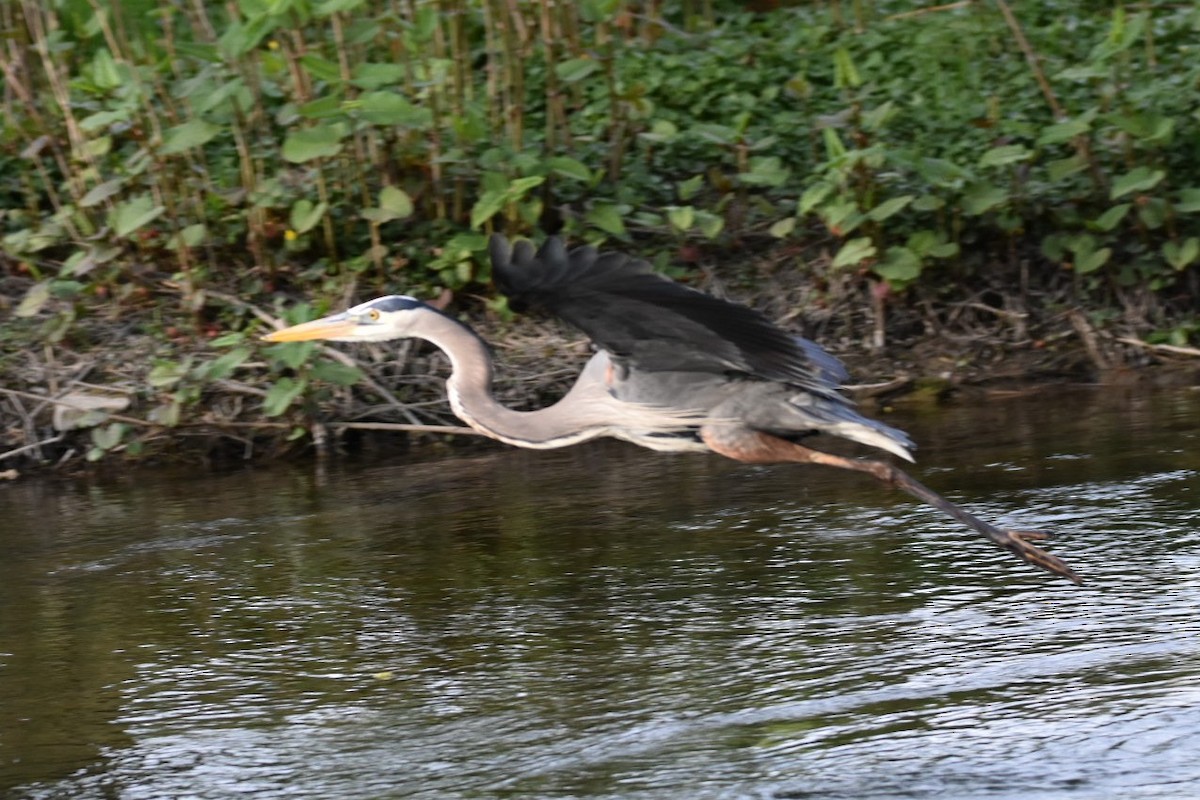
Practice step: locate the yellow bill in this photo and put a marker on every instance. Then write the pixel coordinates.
(332, 327)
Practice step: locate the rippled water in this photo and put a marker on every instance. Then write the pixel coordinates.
(605, 622)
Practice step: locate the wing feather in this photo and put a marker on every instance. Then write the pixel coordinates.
(652, 322)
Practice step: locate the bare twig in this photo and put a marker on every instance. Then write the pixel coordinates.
(31, 446)
(1172, 349)
(999, 312)
(399, 427)
(930, 10)
(68, 404)
(864, 390)
(234, 300)
(1035, 65)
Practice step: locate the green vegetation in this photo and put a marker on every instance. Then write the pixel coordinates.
(179, 166)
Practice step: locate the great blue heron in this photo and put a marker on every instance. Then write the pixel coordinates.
(676, 370)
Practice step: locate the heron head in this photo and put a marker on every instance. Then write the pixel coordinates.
(377, 320)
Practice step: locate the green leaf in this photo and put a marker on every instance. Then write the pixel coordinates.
(425, 22)
(103, 119)
(1065, 167)
(607, 217)
(389, 108)
(322, 69)
(489, 204)
(1083, 72)
(1189, 201)
(281, 395)
(765, 171)
(709, 224)
(712, 132)
(983, 197)
(1125, 31)
(211, 97)
(1007, 154)
(167, 414)
(1153, 212)
(1111, 218)
(239, 39)
(845, 74)
(813, 196)
(105, 72)
(373, 76)
(877, 118)
(305, 215)
(1146, 127)
(493, 201)
(293, 354)
(928, 202)
(228, 339)
(165, 374)
(99, 147)
(330, 7)
(325, 107)
(320, 141)
(191, 236)
(598, 10)
(193, 133)
(134, 214)
(941, 172)
(335, 372)
(519, 186)
(1142, 179)
(108, 436)
(854, 252)
(899, 266)
(1054, 246)
(396, 202)
(687, 189)
(34, 300)
(1092, 261)
(661, 130)
(570, 168)
(783, 228)
(931, 244)
(681, 217)
(101, 192)
(223, 365)
(841, 216)
(890, 207)
(834, 148)
(1087, 257)
(79, 263)
(575, 69)
(1181, 254)
(1065, 131)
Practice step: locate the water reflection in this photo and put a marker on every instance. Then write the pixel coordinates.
(605, 622)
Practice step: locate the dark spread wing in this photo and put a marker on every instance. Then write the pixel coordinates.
(653, 322)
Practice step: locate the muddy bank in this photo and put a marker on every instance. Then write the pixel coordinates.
(103, 395)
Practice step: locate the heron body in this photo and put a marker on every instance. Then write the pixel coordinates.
(675, 370)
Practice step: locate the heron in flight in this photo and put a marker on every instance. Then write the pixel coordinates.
(675, 370)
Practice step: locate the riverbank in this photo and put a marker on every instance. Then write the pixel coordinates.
(145, 382)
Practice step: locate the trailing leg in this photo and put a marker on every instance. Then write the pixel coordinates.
(755, 447)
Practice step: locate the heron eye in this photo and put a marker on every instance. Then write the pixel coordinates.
(373, 314)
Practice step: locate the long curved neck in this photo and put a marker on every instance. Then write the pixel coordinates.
(586, 412)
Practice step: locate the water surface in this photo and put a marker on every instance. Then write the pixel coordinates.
(606, 622)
